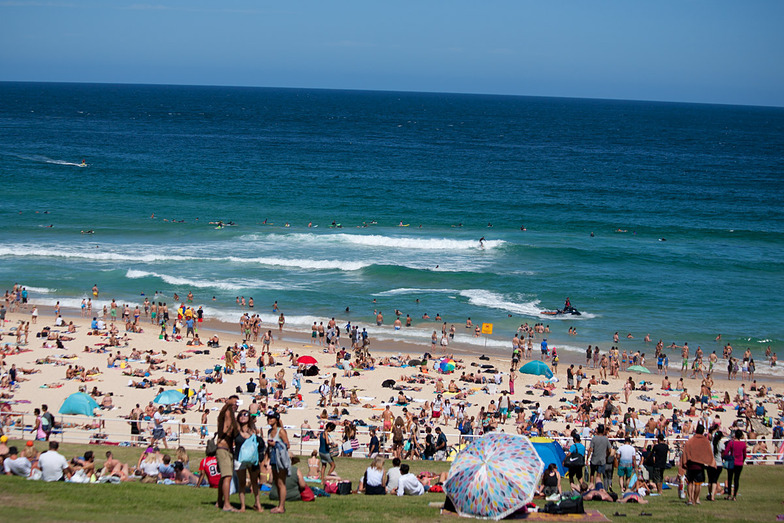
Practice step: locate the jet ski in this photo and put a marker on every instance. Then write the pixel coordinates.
(566, 310)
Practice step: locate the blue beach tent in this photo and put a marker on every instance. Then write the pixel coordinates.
(79, 403)
(550, 452)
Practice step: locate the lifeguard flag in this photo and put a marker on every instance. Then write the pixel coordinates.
(487, 328)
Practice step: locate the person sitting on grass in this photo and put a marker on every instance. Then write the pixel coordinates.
(551, 482)
(373, 481)
(183, 475)
(408, 484)
(114, 467)
(14, 465)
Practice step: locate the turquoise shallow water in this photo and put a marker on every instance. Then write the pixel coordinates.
(708, 179)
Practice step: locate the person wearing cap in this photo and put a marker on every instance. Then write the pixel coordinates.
(15, 465)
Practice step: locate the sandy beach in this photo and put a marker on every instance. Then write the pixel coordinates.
(42, 370)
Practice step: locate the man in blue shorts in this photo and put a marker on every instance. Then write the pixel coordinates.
(627, 463)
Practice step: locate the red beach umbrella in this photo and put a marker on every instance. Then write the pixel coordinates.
(306, 360)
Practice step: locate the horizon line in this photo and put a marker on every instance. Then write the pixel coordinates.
(408, 91)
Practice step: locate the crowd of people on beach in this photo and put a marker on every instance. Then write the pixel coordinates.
(419, 428)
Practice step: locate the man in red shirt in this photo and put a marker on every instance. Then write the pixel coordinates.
(208, 469)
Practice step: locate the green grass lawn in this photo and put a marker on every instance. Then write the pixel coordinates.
(760, 499)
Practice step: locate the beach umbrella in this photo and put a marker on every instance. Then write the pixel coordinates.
(550, 452)
(638, 368)
(79, 403)
(169, 397)
(537, 368)
(446, 365)
(494, 476)
(306, 360)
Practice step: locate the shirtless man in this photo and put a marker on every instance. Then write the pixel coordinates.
(379, 319)
(685, 356)
(387, 418)
(114, 467)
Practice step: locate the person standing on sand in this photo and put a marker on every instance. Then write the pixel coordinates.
(512, 378)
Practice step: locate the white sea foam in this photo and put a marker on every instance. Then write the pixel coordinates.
(304, 263)
(381, 241)
(408, 290)
(493, 300)
(268, 320)
(90, 254)
(228, 285)
(45, 159)
(148, 257)
(40, 290)
(439, 244)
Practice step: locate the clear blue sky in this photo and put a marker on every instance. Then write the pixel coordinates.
(715, 51)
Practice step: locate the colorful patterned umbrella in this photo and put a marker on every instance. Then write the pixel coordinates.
(447, 365)
(494, 476)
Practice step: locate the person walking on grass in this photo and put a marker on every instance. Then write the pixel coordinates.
(697, 454)
(734, 457)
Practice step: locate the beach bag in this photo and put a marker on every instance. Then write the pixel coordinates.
(355, 444)
(331, 487)
(574, 460)
(567, 505)
(334, 450)
(212, 447)
(344, 488)
(249, 452)
(307, 494)
(347, 447)
(728, 458)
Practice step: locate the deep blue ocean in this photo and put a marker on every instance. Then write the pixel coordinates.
(453, 168)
